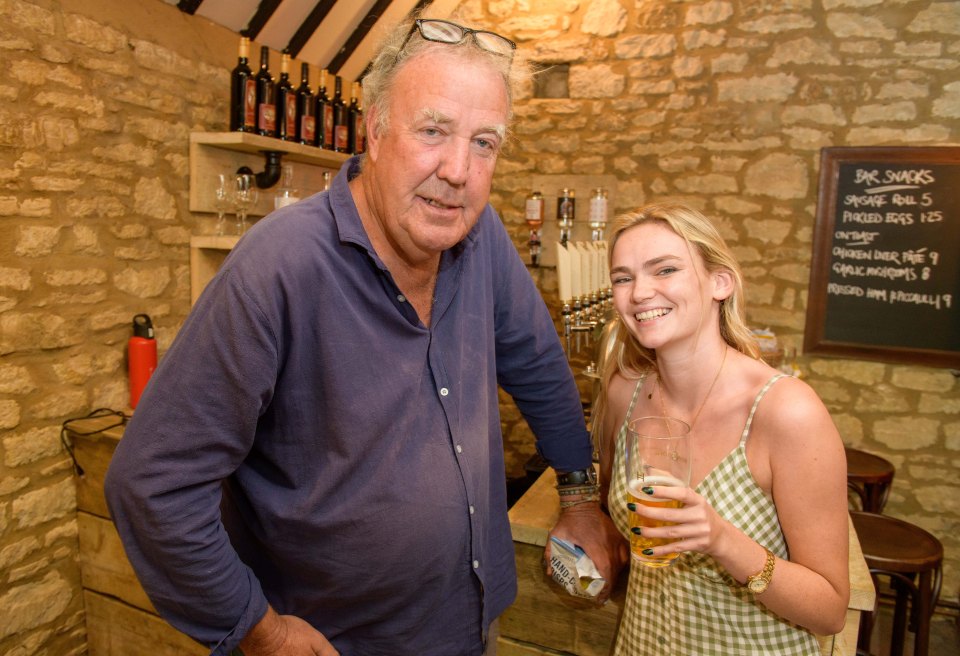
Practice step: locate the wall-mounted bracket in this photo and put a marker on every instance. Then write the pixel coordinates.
(271, 169)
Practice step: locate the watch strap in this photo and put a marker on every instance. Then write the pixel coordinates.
(579, 477)
(758, 582)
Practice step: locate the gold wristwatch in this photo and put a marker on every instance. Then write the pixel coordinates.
(758, 582)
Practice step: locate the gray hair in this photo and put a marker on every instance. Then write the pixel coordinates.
(392, 54)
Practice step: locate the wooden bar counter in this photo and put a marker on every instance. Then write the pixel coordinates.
(546, 621)
(121, 621)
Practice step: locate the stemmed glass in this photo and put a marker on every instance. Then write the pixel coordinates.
(222, 199)
(244, 197)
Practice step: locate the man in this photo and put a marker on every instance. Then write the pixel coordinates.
(338, 382)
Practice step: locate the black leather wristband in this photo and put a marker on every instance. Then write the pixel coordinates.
(578, 477)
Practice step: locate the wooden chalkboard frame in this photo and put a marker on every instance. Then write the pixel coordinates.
(815, 340)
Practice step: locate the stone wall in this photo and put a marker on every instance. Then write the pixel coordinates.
(98, 98)
(726, 104)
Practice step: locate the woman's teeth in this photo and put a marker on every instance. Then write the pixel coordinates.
(651, 314)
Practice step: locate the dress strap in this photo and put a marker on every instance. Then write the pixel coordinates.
(756, 402)
(633, 400)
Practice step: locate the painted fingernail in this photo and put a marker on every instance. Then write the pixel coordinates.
(648, 490)
(648, 552)
(635, 530)
(631, 506)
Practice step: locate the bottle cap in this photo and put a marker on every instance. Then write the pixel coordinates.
(142, 326)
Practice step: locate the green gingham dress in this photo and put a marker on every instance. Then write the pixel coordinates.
(694, 607)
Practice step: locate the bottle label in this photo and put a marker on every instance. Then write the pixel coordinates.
(342, 135)
(535, 210)
(250, 103)
(598, 210)
(328, 126)
(291, 118)
(268, 118)
(358, 133)
(308, 129)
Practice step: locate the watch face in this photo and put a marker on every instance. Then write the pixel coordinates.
(757, 586)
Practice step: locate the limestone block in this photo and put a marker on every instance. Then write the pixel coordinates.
(850, 428)
(645, 88)
(173, 235)
(866, 374)
(31, 18)
(778, 23)
(939, 18)
(675, 164)
(163, 132)
(924, 379)
(921, 134)
(937, 498)
(809, 139)
(648, 119)
(55, 54)
(952, 432)
(15, 379)
(762, 293)
(35, 330)
(32, 445)
(559, 50)
(831, 392)
(693, 39)
(846, 26)
(18, 279)
(15, 552)
(71, 102)
(709, 13)
(37, 240)
(127, 152)
(34, 604)
(53, 183)
(604, 18)
(9, 413)
(44, 504)
(153, 200)
(906, 433)
(769, 231)
(922, 49)
(143, 283)
(899, 111)
(881, 397)
(630, 195)
(777, 87)
(804, 51)
(736, 205)
(588, 165)
(948, 104)
(65, 277)
(140, 251)
(687, 66)
(820, 113)
(91, 34)
(936, 404)
(778, 175)
(86, 240)
(65, 403)
(643, 46)
(625, 165)
(711, 183)
(598, 81)
(726, 164)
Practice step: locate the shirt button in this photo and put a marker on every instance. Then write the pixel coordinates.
(476, 564)
(459, 448)
(401, 298)
(444, 391)
(472, 510)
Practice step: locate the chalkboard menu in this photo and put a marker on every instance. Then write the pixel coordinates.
(885, 274)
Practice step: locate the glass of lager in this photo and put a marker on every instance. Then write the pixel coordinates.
(657, 453)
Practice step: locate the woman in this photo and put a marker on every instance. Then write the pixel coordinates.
(768, 488)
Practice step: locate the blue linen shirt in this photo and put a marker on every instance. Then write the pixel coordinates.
(306, 441)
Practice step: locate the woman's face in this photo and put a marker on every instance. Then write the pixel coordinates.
(661, 288)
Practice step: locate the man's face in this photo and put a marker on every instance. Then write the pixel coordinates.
(430, 172)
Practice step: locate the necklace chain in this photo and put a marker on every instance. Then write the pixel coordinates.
(663, 408)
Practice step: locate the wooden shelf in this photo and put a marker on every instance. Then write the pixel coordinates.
(207, 253)
(212, 153)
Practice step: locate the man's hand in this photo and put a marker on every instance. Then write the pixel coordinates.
(590, 528)
(285, 635)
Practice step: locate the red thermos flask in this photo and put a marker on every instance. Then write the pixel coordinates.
(141, 356)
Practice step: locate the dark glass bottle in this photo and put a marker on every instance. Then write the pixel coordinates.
(324, 114)
(354, 121)
(243, 92)
(306, 109)
(341, 126)
(286, 102)
(266, 97)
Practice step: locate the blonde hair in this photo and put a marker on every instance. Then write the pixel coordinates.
(625, 354)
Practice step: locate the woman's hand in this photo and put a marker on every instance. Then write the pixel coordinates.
(695, 526)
